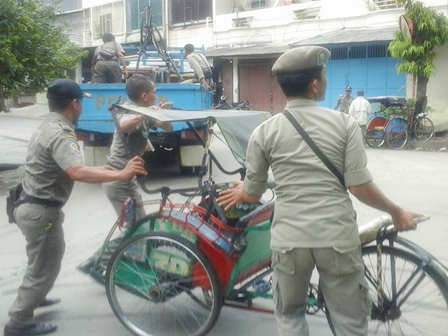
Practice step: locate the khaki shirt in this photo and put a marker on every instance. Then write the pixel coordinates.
(53, 149)
(312, 209)
(199, 65)
(112, 47)
(344, 103)
(137, 140)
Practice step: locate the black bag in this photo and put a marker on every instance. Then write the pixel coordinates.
(12, 201)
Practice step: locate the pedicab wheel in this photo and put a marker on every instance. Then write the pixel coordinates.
(160, 284)
(375, 142)
(424, 129)
(415, 294)
(397, 136)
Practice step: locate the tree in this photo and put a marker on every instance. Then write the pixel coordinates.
(417, 56)
(33, 50)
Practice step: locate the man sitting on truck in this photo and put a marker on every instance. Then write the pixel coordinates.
(199, 64)
(141, 92)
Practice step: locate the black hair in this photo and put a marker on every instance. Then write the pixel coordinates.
(137, 85)
(360, 93)
(108, 37)
(296, 83)
(58, 105)
(189, 48)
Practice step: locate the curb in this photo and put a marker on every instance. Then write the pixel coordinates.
(432, 145)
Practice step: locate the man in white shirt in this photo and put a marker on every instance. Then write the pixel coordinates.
(359, 109)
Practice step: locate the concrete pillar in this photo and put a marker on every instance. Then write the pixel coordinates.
(236, 95)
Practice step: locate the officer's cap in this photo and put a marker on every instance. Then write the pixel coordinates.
(300, 59)
(348, 88)
(65, 89)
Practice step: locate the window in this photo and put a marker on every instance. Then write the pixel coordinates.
(339, 53)
(254, 4)
(243, 22)
(307, 13)
(134, 8)
(377, 51)
(388, 4)
(105, 24)
(358, 52)
(185, 12)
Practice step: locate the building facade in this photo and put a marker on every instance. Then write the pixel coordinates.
(244, 37)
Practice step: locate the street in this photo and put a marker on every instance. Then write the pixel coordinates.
(415, 180)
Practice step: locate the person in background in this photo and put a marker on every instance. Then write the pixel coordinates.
(201, 67)
(105, 68)
(53, 163)
(359, 109)
(344, 101)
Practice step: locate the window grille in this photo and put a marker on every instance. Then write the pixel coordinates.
(377, 51)
(185, 12)
(358, 52)
(339, 53)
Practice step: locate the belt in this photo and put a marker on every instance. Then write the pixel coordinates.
(34, 200)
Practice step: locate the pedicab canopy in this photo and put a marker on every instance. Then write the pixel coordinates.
(235, 125)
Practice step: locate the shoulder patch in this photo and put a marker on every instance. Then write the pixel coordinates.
(74, 148)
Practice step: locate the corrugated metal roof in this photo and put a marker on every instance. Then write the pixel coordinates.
(350, 35)
(341, 36)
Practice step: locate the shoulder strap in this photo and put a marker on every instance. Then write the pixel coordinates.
(314, 147)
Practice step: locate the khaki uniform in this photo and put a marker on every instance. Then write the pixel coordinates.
(119, 191)
(201, 68)
(53, 148)
(344, 103)
(314, 221)
(107, 70)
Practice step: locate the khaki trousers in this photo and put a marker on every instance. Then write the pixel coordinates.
(341, 279)
(42, 228)
(118, 192)
(107, 72)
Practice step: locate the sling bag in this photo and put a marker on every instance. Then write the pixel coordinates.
(314, 147)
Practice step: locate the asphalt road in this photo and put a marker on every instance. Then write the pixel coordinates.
(415, 180)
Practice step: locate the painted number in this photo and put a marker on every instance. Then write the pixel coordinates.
(170, 262)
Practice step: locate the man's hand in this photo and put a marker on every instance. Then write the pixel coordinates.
(126, 74)
(231, 197)
(403, 220)
(166, 105)
(133, 167)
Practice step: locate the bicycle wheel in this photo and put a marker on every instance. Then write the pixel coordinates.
(396, 136)
(160, 284)
(415, 295)
(424, 129)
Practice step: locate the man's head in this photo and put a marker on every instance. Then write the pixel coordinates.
(301, 72)
(141, 90)
(189, 48)
(348, 91)
(65, 97)
(108, 37)
(360, 93)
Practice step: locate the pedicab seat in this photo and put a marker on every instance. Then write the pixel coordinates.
(260, 214)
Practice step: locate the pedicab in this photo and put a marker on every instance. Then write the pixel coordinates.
(174, 269)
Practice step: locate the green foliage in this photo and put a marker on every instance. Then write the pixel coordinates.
(33, 50)
(430, 31)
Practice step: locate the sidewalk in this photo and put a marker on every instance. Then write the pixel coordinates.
(36, 111)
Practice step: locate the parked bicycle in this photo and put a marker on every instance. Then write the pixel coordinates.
(175, 269)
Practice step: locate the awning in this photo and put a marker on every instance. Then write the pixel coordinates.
(340, 36)
(350, 36)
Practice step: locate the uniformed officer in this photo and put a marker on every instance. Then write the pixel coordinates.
(314, 221)
(200, 66)
(344, 100)
(53, 163)
(141, 92)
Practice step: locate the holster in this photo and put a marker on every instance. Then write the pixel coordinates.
(12, 201)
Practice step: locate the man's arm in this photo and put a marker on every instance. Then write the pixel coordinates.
(123, 64)
(82, 173)
(338, 103)
(371, 195)
(129, 122)
(351, 110)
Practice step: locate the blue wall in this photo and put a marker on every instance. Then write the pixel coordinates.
(377, 76)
